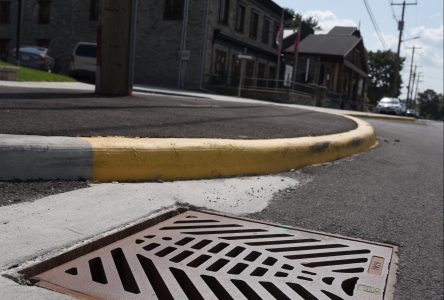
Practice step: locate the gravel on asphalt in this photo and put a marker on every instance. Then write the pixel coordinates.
(17, 192)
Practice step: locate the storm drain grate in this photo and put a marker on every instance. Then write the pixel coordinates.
(199, 255)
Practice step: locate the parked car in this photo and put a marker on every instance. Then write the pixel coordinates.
(412, 113)
(83, 61)
(391, 106)
(33, 57)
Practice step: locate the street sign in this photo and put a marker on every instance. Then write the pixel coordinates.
(246, 57)
(185, 55)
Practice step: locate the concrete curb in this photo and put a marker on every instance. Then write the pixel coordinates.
(381, 117)
(106, 159)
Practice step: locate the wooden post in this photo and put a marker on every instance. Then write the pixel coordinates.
(115, 47)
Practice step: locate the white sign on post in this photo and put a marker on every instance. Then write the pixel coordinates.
(246, 57)
(288, 75)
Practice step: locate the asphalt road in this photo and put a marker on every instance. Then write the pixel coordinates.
(392, 194)
(77, 113)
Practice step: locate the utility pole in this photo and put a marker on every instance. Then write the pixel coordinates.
(19, 23)
(417, 87)
(401, 25)
(413, 85)
(409, 87)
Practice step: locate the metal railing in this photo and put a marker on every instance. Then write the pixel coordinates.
(248, 83)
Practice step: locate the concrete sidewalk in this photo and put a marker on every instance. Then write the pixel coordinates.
(163, 137)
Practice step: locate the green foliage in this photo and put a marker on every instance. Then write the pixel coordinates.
(381, 70)
(296, 19)
(431, 105)
(4, 64)
(28, 74)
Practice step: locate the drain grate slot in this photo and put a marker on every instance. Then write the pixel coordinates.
(156, 280)
(246, 290)
(185, 283)
(219, 291)
(126, 275)
(97, 270)
(198, 255)
(201, 244)
(199, 261)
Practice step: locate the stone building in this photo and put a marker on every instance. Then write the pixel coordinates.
(179, 43)
(57, 24)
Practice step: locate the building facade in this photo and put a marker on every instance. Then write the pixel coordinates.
(337, 61)
(57, 24)
(179, 43)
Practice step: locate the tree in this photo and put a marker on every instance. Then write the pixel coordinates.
(431, 105)
(297, 18)
(381, 66)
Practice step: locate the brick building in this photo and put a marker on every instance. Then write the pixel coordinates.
(186, 43)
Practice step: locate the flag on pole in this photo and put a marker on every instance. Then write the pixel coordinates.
(296, 42)
(279, 36)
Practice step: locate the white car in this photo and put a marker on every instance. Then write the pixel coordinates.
(84, 61)
(391, 106)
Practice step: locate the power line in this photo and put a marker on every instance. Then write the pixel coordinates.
(401, 25)
(393, 11)
(375, 24)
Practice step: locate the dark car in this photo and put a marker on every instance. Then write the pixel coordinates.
(33, 57)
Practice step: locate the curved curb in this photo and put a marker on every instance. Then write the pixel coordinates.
(106, 159)
(381, 117)
(123, 159)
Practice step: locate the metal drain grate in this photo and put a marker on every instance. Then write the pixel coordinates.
(198, 255)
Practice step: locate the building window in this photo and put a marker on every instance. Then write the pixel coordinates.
(44, 43)
(235, 70)
(173, 10)
(240, 18)
(261, 75)
(272, 76)
(94, 10)
(224, 11)
(266, 31)
(220, 67)
(254, 24)
(249, 73)
(5, 45)
(44, 11)
(5, 12)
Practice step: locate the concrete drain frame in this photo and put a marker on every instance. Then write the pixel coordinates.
(193, 254)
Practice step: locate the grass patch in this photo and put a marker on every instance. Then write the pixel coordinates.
(28, 74)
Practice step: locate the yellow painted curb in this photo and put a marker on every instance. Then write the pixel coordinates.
(381, 117)
(144, 159)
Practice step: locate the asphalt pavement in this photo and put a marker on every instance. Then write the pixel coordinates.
(52, 112)
(392, 194)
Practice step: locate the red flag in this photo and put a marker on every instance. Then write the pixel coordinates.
(296, 42)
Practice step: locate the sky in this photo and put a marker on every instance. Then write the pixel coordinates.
(424, 20)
